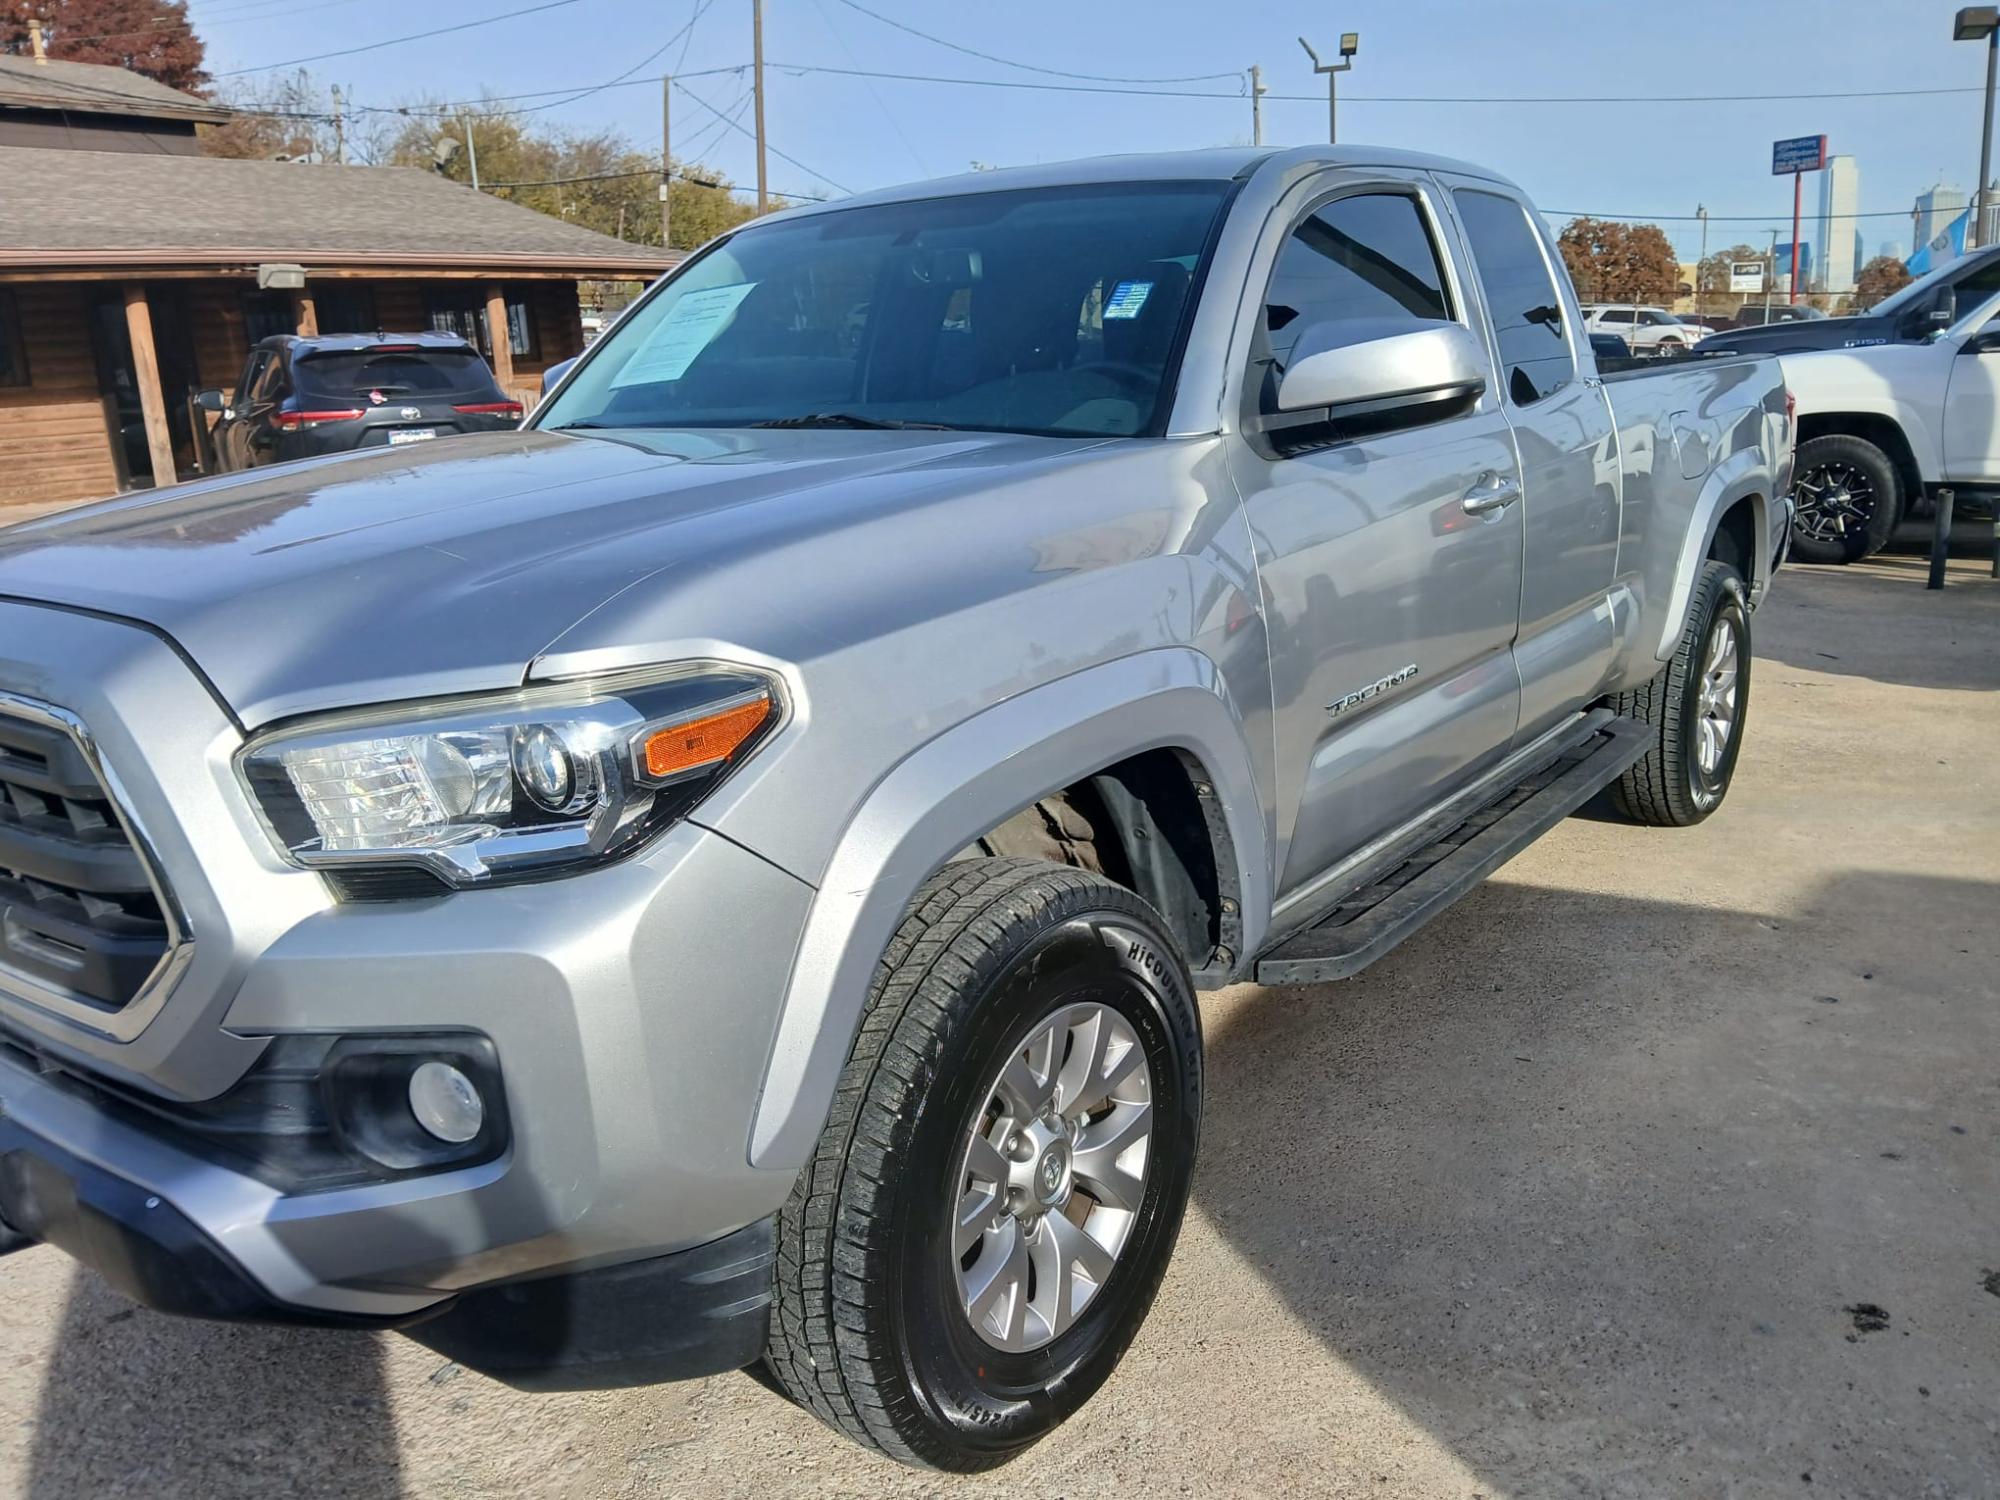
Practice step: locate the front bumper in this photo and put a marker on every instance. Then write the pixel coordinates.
(631, 1012)
(695, 1312)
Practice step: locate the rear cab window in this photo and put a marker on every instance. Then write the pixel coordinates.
(1521, 295)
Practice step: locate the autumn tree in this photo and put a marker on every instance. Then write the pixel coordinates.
(1878, 279)
(1613, 262)
(152, 37)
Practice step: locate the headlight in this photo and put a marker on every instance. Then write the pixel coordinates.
(532, 783)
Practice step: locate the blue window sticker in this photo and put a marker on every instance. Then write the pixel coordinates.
(1126, 299)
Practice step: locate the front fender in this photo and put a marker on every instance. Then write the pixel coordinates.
(943, 796)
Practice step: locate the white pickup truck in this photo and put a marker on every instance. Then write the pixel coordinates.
(1892, 406)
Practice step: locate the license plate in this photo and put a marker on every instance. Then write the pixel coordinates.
(411, 435)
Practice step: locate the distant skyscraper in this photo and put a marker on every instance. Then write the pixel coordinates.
(1839, 202)
(1936, 207)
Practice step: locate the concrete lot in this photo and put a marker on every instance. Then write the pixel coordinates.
(1576, 1194)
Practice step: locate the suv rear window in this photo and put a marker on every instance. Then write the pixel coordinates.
(429, 372)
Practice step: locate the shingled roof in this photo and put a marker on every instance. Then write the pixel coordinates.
(114, 209)
(97, 89)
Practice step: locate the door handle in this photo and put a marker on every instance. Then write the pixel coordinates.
(1491, 493)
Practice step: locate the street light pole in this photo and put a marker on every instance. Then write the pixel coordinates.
(1972, 24)
(1350, 43)
(1701, 213)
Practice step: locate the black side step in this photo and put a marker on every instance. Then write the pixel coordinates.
(1374, 919)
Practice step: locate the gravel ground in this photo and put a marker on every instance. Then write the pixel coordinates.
(1666, 1163)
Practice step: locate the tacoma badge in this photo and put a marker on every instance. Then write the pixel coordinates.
(1374, 689)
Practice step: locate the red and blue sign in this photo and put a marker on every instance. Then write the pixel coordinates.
(1805, 153)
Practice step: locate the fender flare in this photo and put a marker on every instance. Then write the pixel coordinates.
(940, 798)
(1743, 475)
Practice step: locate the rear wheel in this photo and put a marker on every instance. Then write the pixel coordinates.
(1849, 500)
(1696, 707)
(992, 1204)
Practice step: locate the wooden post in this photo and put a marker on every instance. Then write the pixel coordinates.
(501, 336)
(305, 315)
(152, 400)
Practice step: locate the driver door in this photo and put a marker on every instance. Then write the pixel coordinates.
(1390, 563)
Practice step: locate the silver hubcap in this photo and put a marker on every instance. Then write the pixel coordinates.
(1717, 702)
(1052, 1177)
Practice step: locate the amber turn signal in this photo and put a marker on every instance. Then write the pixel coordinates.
(704, 741)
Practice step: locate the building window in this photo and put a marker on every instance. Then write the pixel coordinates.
(464, 313)
(345, 309)
(13, 344)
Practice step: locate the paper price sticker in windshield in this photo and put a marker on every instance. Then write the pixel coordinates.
(1126, 299)
(682, 334)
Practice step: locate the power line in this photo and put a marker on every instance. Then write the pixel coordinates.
(833, 31)
(1572, 213)
(652, 172)
(396, 41)
(1006, 62)
(686, 31)
(809, 171)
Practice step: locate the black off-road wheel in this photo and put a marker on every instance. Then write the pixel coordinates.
(1849, 496)
(1697, 708)
(992, 1204)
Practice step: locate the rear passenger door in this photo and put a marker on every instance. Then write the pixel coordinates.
(1390, 563)
(1568, 455)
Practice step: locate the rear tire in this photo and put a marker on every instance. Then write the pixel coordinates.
(886, 1324)
(1849, 496)
(1697, 708)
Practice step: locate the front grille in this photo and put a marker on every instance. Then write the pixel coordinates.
(78, 913)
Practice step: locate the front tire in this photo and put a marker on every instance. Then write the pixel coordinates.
(992, 1204)
(1696, 707)
(1849, 500)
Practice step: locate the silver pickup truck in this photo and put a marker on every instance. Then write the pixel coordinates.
(721, 875)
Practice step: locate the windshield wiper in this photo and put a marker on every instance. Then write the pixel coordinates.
(583, 426)
(848, 419)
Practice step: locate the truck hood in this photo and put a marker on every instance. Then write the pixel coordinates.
(450, 567)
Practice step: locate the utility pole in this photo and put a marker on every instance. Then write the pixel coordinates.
(1350, 43)
(1257, 92)
(339, 129)
(1981, 23)
(1771, 280)
(1701, 213)
(471, 151)
(757, 56)
(666, 161)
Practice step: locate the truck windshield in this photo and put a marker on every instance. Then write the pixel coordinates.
(1056, 311)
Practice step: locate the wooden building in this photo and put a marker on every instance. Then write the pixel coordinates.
(134, 273)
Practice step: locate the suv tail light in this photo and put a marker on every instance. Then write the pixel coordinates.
(491, 409)
(293, 421)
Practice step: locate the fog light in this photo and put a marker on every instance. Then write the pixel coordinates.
(445, 1103)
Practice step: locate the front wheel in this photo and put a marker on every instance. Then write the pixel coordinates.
(1849, 500)
(1696, 708)
(993, 1201)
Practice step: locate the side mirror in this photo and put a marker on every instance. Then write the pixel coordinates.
(1376, 365)
(215, 401)
(1944, 309)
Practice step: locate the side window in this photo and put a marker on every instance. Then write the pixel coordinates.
(1520, 294)
(246, 383)
(1366, 256)
(1619, 315)
(270, 380)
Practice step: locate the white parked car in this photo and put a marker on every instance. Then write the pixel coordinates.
(1646, 330)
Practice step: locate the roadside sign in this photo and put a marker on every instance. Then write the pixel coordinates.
(1804, 153)
(1746, 276)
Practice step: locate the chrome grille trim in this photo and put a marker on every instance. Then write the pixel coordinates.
(128, 1020)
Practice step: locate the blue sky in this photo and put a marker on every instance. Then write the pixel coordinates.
(1626, 158)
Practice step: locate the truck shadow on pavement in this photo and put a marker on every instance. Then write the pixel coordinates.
(1592, 1187)
(139, 1403)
